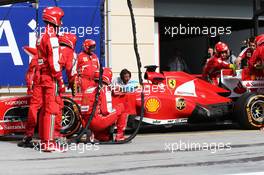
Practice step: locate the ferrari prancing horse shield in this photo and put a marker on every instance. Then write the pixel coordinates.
(171, 83)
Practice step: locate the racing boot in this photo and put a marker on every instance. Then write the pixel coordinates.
(112, 132)
(61, 145)
(120, 137)
(26, 142)
(102, 136)
(121, 126)
(87, 137)
(47, 146)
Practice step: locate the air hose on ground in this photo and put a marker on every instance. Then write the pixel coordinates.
(86, 130)
(139, 65)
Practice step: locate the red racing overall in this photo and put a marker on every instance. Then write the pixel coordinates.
(105, 116)
(34, 88)
(256, 63)
(213, 69)
(51, 84)
(87, 65)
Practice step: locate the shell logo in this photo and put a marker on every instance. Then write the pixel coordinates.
(152, 105)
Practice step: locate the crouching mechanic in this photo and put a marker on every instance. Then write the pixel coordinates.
(105, 115)
(256, 62)
(215, 64)
(87, 64)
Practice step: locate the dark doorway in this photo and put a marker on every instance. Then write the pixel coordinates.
(194, 44)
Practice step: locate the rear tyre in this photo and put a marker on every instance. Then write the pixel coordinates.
(249, 111)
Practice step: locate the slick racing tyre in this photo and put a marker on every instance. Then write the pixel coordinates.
(249, 111)
(71, 122)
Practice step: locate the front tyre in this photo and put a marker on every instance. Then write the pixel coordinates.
(249, 111)
(71, 122)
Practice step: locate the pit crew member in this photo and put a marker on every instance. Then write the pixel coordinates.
(87, 64)
(68, 58)
(68, 61)
(106, 115)
(256, 62)
(215, 64)
(34, 89)
(246, 53)
(51, 80)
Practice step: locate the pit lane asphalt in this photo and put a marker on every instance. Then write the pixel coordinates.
(221, 151)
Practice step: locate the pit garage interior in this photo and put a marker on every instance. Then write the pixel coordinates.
(236, 15)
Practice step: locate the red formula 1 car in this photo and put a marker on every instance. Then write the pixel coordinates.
(177, 97)
(171, 98)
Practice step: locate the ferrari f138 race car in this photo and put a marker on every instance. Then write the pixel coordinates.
(188, 99)
(171, 98)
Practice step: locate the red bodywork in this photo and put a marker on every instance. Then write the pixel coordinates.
(13, 114)
(170, 98)
(14, 111)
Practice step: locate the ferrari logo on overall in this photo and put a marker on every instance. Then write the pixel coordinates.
(152, 105)
(171, 83)
(180, 103)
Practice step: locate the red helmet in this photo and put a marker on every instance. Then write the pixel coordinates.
(221, 47)
(106, 77)
(87, 44)
(259, 39)
(68, 39)
(53, 15)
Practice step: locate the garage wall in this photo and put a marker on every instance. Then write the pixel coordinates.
(123, 55)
